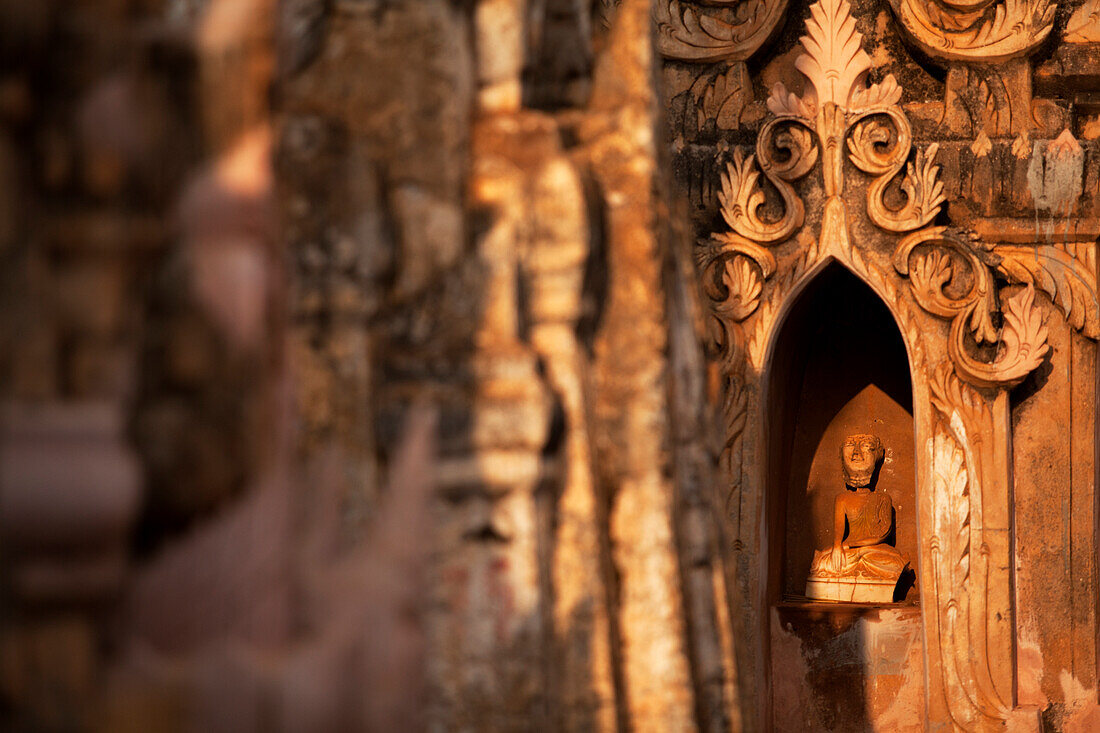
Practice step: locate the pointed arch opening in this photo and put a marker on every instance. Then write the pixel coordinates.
(838, 367)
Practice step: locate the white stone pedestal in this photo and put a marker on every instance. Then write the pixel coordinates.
(856, 590)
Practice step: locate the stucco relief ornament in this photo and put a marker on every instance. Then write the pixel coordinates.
(939, 262)
(976, 30)
(717, 30)
(996, 338)
(838, 113)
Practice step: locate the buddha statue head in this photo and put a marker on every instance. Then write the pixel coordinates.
(861, 457)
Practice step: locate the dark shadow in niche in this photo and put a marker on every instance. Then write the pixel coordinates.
(839, 367)
(905, 583)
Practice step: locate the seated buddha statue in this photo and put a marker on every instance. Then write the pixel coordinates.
(863, 521)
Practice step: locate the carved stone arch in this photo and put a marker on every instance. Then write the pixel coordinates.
(945, 462)
(962, 471)
(806, 279)
(773, 408)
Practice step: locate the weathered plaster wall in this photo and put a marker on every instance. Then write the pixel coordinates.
(847, 668)
(1055, 491)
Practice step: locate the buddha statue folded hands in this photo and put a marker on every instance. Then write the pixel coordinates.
(861, 565)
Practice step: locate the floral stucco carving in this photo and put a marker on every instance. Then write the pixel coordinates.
(1020, 343)
(839, 112)
(717, 30)
(976, 30)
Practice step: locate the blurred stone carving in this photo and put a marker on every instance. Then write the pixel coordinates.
(69, 492)
(861, 565)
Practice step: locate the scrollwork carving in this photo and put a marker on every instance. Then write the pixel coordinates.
(733, 270)
(723, 30)
(1022, 346)
(970, 299)
(934, 282)
(741, 196)
(1065, 272)
(734, 287)
(921, 184)
(838, 107)
(976, 30)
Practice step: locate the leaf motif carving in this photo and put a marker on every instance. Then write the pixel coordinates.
(782, 103)
(885, 94)
(951, 396)
(951, 512)
(743, 285)
(689, 32)
(722, 97)
(929, 274)
(834, 61)
(1023, 344)
(741, 198)
(975, 30)
(708, 251)
(1065, 272)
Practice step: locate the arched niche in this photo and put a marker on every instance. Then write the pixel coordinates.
(839, 367)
